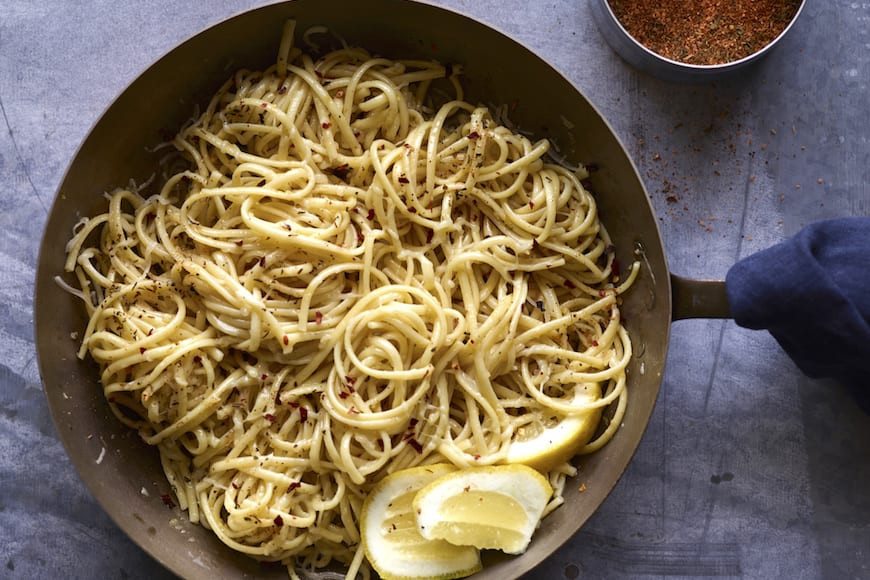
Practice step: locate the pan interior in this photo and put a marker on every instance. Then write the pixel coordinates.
(127, 479)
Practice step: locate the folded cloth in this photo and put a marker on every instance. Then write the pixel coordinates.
(812, 293)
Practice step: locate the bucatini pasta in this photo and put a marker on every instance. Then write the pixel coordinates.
(346, 279)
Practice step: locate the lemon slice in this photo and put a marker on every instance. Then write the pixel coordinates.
(547, 446)
(390, 537)
(487, 507)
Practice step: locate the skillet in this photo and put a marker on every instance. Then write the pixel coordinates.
(127, 480)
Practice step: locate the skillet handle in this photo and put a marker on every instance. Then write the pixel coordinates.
(698, 298)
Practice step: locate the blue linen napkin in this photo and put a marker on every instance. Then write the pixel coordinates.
(812, 293)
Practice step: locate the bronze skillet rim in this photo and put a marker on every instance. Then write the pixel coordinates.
(124, 474)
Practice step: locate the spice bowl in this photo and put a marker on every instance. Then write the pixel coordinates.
(674, 46)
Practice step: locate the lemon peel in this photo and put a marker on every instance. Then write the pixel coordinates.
(390, 537)
(491, 507)
(559, 440)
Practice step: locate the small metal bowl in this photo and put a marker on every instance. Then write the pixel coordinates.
(644, 59)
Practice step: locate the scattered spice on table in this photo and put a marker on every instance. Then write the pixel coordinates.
(704, 32)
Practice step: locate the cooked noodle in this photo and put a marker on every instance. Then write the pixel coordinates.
(345, 280)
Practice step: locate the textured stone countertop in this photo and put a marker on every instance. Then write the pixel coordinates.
(748, 468)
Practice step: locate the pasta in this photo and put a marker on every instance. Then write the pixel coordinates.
(345, 278)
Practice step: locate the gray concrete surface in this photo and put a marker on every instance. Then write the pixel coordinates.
(748, 468)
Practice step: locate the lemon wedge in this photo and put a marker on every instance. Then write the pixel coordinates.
(495, 507)
(390, 536)
(546, 446)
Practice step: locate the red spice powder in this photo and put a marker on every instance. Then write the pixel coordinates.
(704, 32)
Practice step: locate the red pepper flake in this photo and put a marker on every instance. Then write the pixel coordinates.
(142, 350)
(474, 135)
(707, 32)
(293, 404)
(239, 243)
(531, 205)
(197, 359)
(286, 340)
(269, 417)
(350, 380)
(167, 500)
(415, 445)
(353, 411)
(294, 485)
(404, 179)
(602, 293)
(594, 343)
(477, 457)
(279, 521)
(339, 94)
(318, 317)
(264, 105)
(303, 414)
(326, 125)
(341, 171)
(263, 377)
(412, 210)
(343, 395)
(371, 215)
